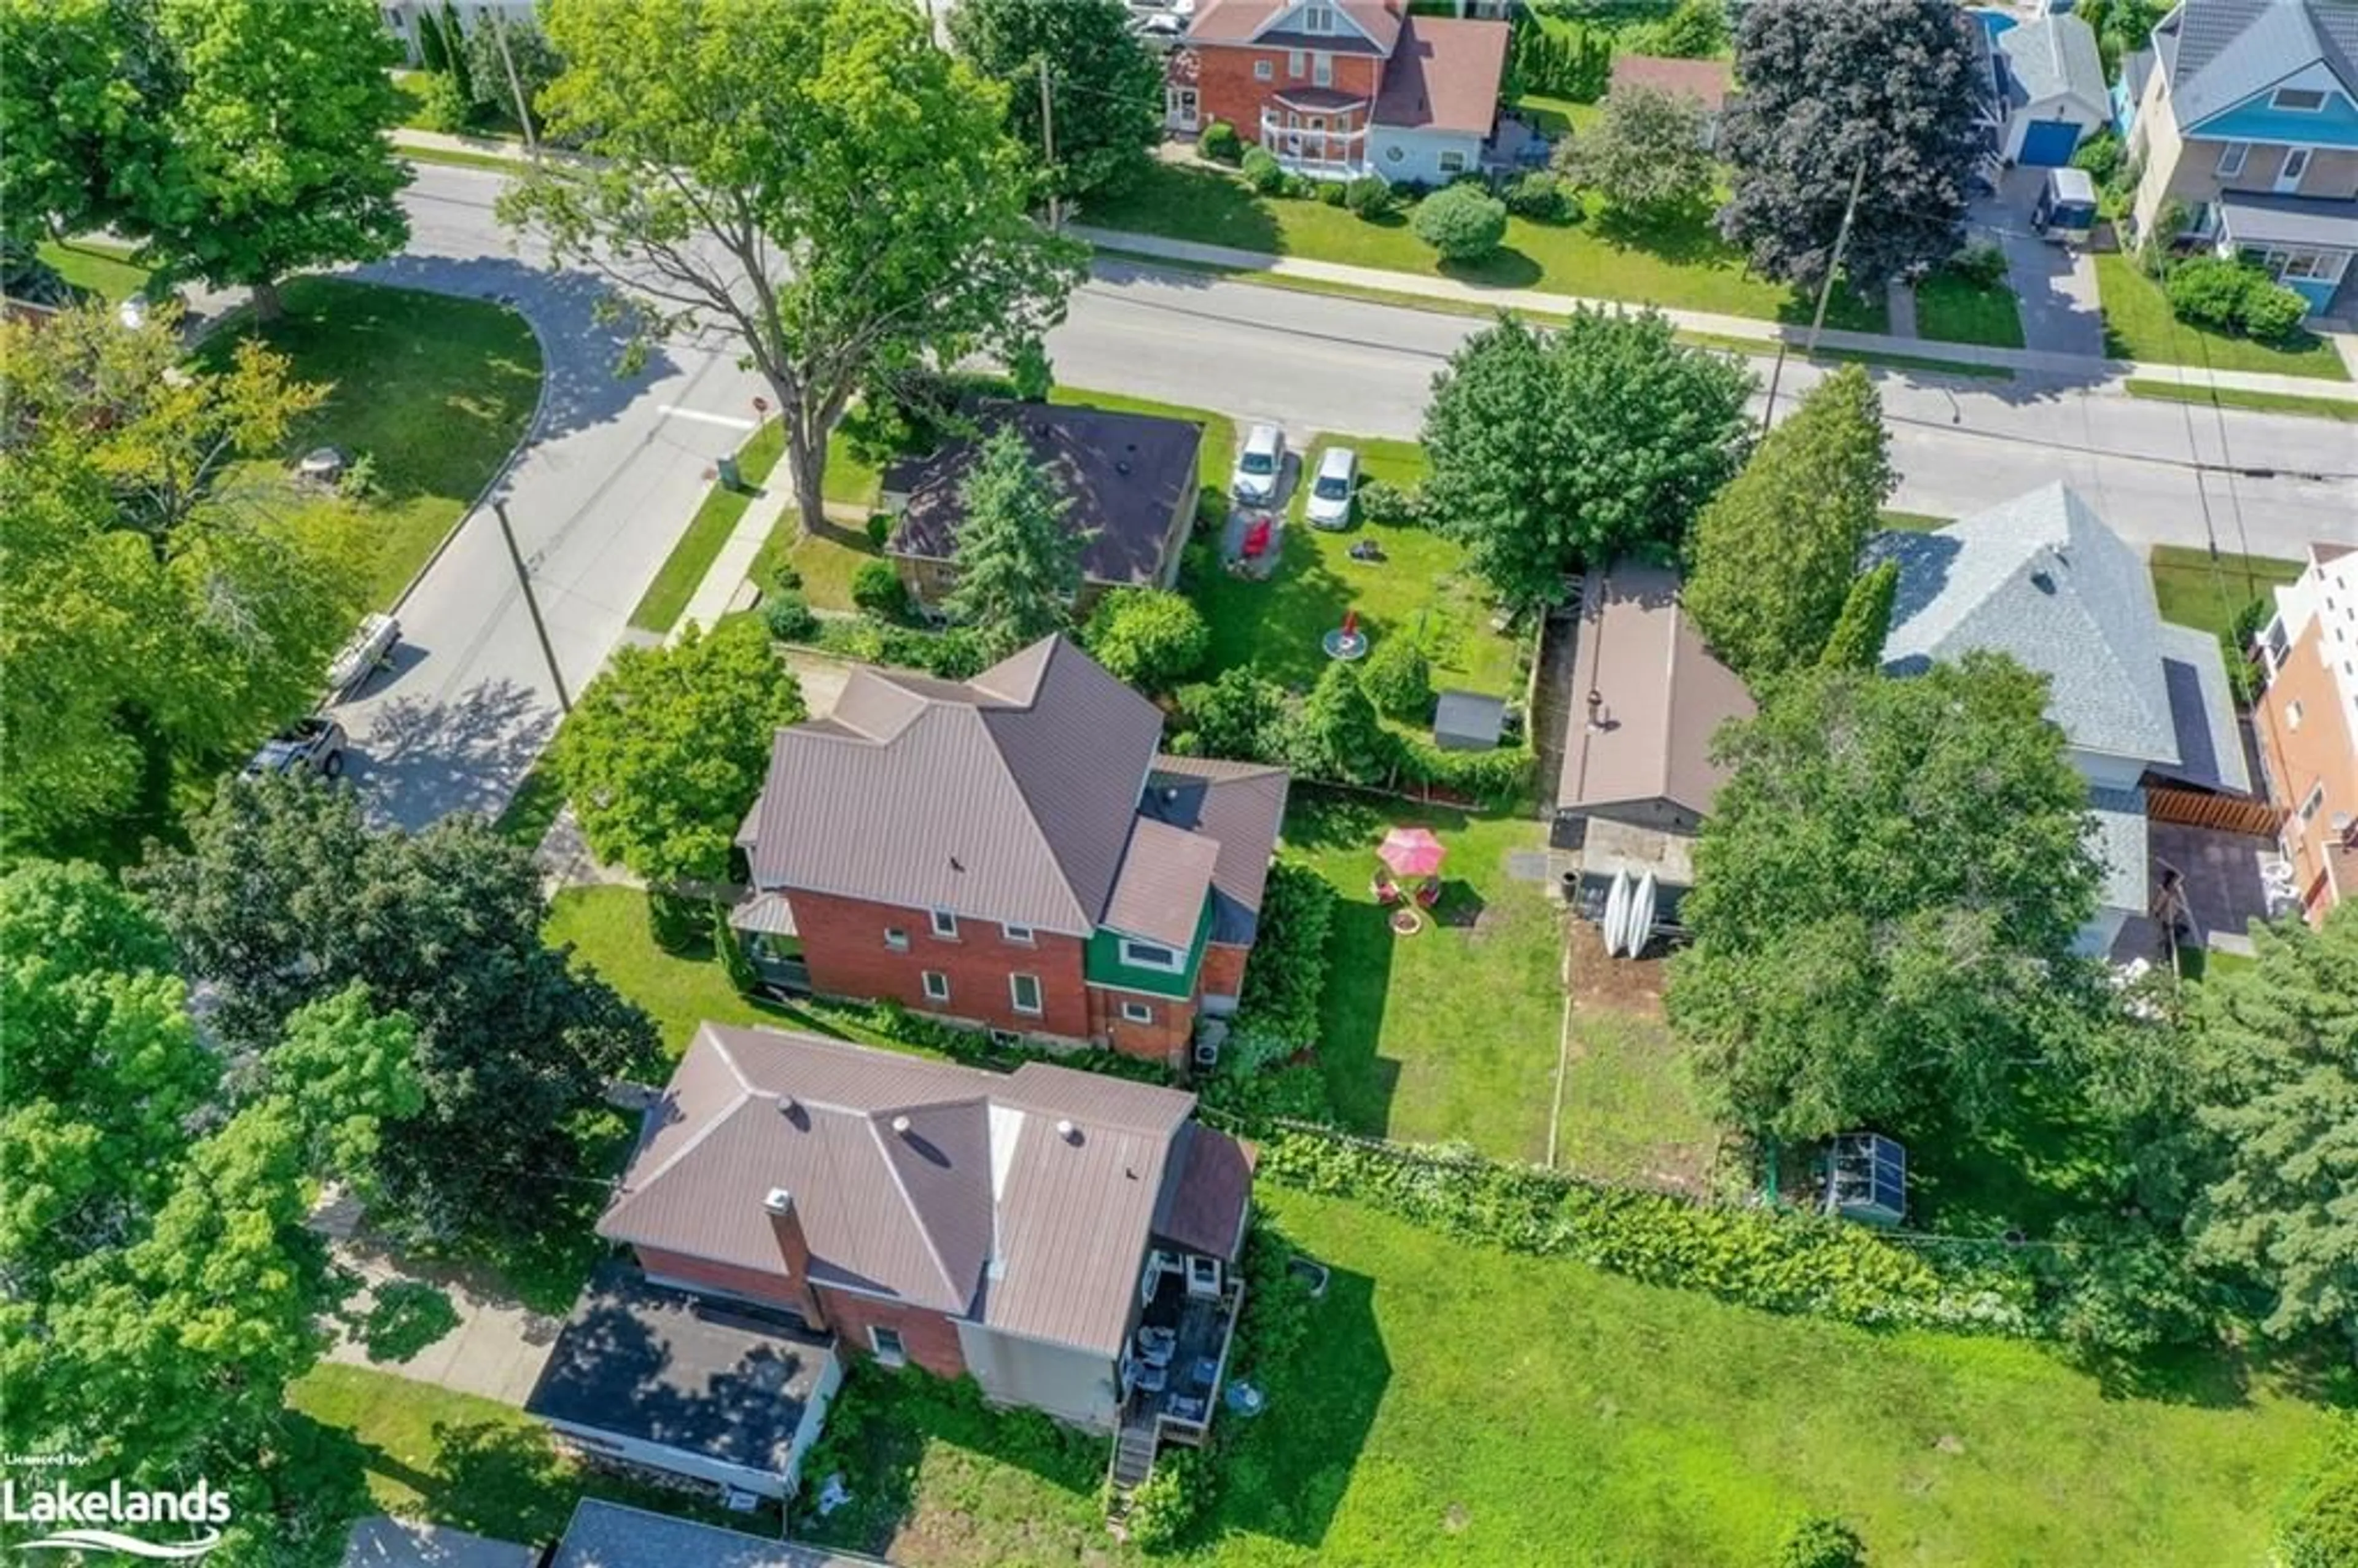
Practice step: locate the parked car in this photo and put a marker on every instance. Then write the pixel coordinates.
(312, 745)
(368, 651)
(1261, 467)
(1330, 492)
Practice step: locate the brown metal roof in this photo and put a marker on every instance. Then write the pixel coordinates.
(1707, 80)
(1206, 1197)
(1009, 797)
(1164, 878)
(1242, 806)
(1662, 696)
(1243, 21)
(1444, 76)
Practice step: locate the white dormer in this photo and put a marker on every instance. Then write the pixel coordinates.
(1318, 18)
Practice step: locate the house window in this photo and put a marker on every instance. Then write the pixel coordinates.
(2231, 161)
(2303, 98)
(1322, 70)
(944, 925)
(1020, 935)
(1024, 991)
(887, 1343)
(2314, 804)
(1136, 1012)
(1453, 163)
(1263, 71)
(895, 939)
(937, 986)
(2292, 715)
(1317, 18)
(1150, 955)
(1295, 63)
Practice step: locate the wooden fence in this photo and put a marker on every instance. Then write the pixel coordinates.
(2223, 812)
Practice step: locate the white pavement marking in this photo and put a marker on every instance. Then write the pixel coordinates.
(734, 421)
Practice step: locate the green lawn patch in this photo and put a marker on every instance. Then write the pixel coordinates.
(1952, 309)
(434, 390)
(2343, 409)
(1557, 116)
(97, 267)
(1762, 348)
(1449, 1033)
(1912, 522)
(458, 158)
(534, 806)
(412, 85)
(1632, 1112)
(2139, 325)
(1681, 263)
(2194, 589)
(691, 559)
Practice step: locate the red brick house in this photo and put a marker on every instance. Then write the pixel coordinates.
(1013, 852)
(1067, 1239)
(1339, 89)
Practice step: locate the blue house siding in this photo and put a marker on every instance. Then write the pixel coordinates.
(2335, 126)
(2318, 294)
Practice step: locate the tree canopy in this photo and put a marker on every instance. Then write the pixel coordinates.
(1887, 893)
(1019, 566)
(1551, 452)
(1865, 623)
(1105, 91)
(1147, 637)
(1892, 85)
(1774, 552)
(84, 143)
(1644, 153)
(666, 749)
(815, 174)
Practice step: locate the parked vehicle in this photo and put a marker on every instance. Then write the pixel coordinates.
(311, 745)
(1261, 467)
(2065, 212)
(1331, 491)
(370, 648)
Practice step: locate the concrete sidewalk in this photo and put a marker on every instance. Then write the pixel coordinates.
(731, 568)
(2026, 361)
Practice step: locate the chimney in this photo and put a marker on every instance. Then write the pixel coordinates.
(793, 1252)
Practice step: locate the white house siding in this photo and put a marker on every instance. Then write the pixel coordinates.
(1418, 159)
(1071, 1384)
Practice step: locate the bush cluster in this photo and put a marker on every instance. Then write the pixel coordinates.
(2231, 297)
(976, 1048)
(876, 588)
(1287, 976)
(1390, 505)
(2320, 1527)
(789, 617)
(1220, 142)
(957, 654)
(1497, 778)
(1981, 264)
(1399, 678)
(1370, 196)
(1463, 222)
(1170, 1503)
(1149, 638)
(1543, 197)
(1262, 171)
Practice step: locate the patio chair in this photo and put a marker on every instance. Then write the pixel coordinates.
(1428, 893)
(1157, 1346)
(1256, 543)
(1383, 889)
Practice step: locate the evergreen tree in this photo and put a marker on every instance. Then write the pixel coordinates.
(1856, 642)
(1106, 90)
(1019, 566)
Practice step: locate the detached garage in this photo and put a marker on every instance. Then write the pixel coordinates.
(2051, 84)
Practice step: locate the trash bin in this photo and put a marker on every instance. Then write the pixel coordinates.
(730, 478)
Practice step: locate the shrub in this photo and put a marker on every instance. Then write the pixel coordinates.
(1287, 980)
(1462, 223)
(876, 588)
(1262, 171)
(1368, 196)
(1332, 191)
(1300, 187)
(784, 577)
(1400, 677)
(1220, 142)
(446, 107)
(1540, 197)
(2321, 1524)
(879, 528)
(2208, 291)
(1258, 1101)
(2100, 157)
(1819, 1542)
(1390, 505)
(1981, 264)
(1498, 778)
(1238, 716)
(1168, 1503)
(2272, 312)
(1028, 373)
(788, 616)
(1147, 637)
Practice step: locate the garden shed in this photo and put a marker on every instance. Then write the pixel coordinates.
(1468, 721)
(1867, 1178)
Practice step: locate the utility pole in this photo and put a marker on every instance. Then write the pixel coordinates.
(532, 607)
(516, 83)
(1048, 143)
(1825, 292)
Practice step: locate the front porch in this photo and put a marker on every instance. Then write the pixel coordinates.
(1310, 143)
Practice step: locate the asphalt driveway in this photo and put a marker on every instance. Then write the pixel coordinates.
(2061, 312)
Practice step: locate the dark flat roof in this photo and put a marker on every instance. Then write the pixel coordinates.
(641, 1361)
(608, 1535)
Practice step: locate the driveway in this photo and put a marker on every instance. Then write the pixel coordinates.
(2055, 284)
(495, 1352)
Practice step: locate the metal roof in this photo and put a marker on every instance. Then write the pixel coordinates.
(2258, 219)
(1443, 76)
(609, 1535)
(1240, 805)
(1164, 878)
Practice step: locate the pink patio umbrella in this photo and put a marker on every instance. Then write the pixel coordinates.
(1411, 852)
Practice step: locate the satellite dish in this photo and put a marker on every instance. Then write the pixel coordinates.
(1616, 911)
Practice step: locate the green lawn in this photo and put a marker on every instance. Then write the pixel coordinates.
(412, 86)
(2193, 591)
(1951, 310)
(1763, 348)
(435, 391)
(1912, 522)
(1420, 588)
(2343, 409)
(2139, 325)
(685, 570)
(1632, 1113)
(1557, 116)
(1682, 263)
(103, 269)
(1449, 1033)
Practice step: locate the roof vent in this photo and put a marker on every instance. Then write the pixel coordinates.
(1069, 1132)
(780, 1201)
(2042, 582)
(900, 1125)
(1595, 710)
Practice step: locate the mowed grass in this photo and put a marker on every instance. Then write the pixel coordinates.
(691, 559)
(1952, 309)
(96, 267)
(433, 389)
(2193, 589)
(1449, 1033)
(2343, 409)
(1681, 261)
(2139, 325)
(1632, 1112)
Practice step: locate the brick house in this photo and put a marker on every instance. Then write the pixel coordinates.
(2307, 725)
(1338, 89)
(1069, 1239)
(1013, 852)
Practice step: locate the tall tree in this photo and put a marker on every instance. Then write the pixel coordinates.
(1775, 552)
(668, 749)
(282, 142)
(813, 173)
(286, 896)
(1556, 450)
(1645, 153)
(498, 43)
(1891, 86)
(1337, 734)
(1887, 893)
(1105, 89)
(1019, 564)
(2277, 1059)
(83, 139)
(1856, 642)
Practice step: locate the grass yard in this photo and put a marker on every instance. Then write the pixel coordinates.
(685, 570)
(1632, 1112)
(1763, 348)
(1682, 262)
(433, 389)
(2139, 325)
(1912, 522)
(2341, 409)
(1422, 587)
(2194, 592)
(1448, 1034)
(1557, 116)
(1952, 309)
(96, 267)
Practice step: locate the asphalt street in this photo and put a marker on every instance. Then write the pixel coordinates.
(616, 466)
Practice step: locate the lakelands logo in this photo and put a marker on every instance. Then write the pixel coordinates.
(90, 1519)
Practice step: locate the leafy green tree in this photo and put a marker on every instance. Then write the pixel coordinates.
(1400, 678)
(1856, 642)
(1552, 451)
(667, 748)
(1774, 552)
(1695, 29)
(281, 143)
(2277, 1059)
(534, 59)
(1463, 222)
(1336, 734)
(1106, 89)
(742, 149)
(1644, 153)
(1886, 894)
(2320, 1527)
(1019, 566)
(1238, 716)
(83, 140)
(1892, 86)
(286, 896)
(1147, 637)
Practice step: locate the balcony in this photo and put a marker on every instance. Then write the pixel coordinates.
(1323, 153)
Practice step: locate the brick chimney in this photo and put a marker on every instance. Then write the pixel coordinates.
(793, 1251)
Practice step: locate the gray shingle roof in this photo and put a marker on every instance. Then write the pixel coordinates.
(2264, 218)
(608, 1535)
(2054, 57)
(2043, 578)
(2116, 836)
(2219, 52)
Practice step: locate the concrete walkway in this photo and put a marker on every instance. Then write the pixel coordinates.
(495, 1352)
(729, 569)
(2029, 362)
